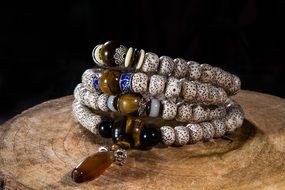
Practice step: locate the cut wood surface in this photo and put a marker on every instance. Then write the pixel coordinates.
(40, 147)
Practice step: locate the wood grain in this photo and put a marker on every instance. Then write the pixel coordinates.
(39, 147)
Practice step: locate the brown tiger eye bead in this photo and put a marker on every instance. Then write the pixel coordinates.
(107, 53)
(133, 127)
(109, 82)
(92, 166)
(129, 103)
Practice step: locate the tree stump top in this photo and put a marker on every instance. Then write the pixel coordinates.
(40, 147)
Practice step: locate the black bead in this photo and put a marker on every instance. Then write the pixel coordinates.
(105, 128)
(118, 129)
(150, 136)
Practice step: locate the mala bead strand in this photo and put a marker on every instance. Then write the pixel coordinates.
(85, 117)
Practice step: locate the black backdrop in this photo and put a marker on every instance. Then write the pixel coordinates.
(45, 47)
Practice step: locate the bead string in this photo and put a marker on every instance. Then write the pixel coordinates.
(178, 135)
(189, 91)
(185, 112)
(150, 63)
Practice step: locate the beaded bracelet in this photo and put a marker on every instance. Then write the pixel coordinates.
(131, 103)
(113, 55)
(155, 86)
(129, 133)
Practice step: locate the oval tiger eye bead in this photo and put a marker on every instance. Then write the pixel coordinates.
(92, 166)
(109, 82)
(129, 103)
(107, 53)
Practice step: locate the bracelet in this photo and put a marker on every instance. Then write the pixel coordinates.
(156, 86)
(127, 133)
(132, 103)
(113, 55)
(189, 102)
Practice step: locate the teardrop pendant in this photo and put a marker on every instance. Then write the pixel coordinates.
(92, 167)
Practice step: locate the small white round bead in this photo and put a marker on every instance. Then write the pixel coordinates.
(102, 102)
(220, 128)
(166, 65)
(167, 135)
(194, 70)
(173, 88)
(156, 85)
(181, 135)
(169, 110)
(188, 90)
(181, 68)
(208, 130)
(184, 113)
(195, 133)
(150, 63)
(139, 82)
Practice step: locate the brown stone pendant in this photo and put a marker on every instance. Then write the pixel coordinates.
(92, 167)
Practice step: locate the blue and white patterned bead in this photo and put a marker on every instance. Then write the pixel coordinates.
(125, 82)
(96, 83)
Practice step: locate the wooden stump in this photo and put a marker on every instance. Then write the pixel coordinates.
(39, 148)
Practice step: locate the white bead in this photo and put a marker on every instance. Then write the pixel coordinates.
(141, 58)
(96, 55)
(202, 92)
(234, 118)
(110, 103)
(180, 68)
(194, 70)
(154, 108)
(236, 85)
(151, 63)
(207, 73)
(199, 114)
(169, 110)
(195, 132)
(188, 90)
(166, 65)
(184, 113)
(102, 102)
(139, 82)
(208, 130)
(156, 84)
(181, 135)
(167, 135)
(220, 128)
(88, 77)
(173, 88)
(128, 57)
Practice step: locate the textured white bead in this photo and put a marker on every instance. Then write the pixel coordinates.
(169, 110)
(173, 88)
(207, 73)
(156, 85)
(236, 85)
(188, 90)
(139, 82)
(234, 118)
(184, 113)
(208, 130)
(202, 92)
(181, 135)
(220, 128)
(195, 133)
(199, 114)
(166, 65)
(102, 102)
(88, 77)
(150, 63)
(167, 135)
(180, 68)
(194, 70)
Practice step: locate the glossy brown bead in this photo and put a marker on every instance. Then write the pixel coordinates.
(133, 127)
(129, 103)
(109, 82)
(107, 53)
(92, 167)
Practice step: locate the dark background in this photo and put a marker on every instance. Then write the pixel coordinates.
(44, 47)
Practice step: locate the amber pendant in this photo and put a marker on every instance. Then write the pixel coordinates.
(92, 167)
